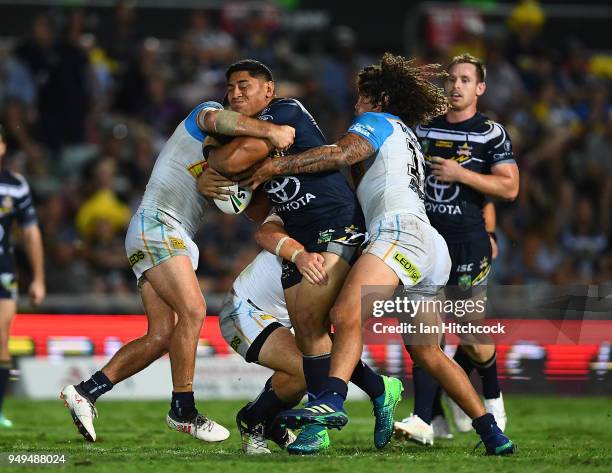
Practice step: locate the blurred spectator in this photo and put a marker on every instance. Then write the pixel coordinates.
(102, 205)
(88, 106)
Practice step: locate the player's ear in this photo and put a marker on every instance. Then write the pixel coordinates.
(480, 88)
(269, 89)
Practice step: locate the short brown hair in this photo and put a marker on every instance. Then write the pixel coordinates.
(467, 58)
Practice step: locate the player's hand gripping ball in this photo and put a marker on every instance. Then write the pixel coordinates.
(236, 202)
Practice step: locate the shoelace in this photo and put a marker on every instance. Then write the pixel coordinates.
(203, 422)
(256, 435)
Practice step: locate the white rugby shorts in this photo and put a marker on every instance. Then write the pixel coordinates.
(413, 249)
(153, 237)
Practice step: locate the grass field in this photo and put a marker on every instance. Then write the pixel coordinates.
(553, 434)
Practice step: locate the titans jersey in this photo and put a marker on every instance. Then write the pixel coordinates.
(15, 205)
(477, 144)
(389, 182)
(172, 187)
(308, 203)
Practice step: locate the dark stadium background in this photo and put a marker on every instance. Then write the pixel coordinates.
(90, 90)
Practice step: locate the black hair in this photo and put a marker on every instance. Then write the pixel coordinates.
(253, 67)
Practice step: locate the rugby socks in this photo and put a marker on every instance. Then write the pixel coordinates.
(183, 406)
(425, 389)
(316, 371)
(463, 360)
(367, 380)
(266, 406)
(5, 369)
(488, 374)
(436, 408)
(334, 392)
(95, 386)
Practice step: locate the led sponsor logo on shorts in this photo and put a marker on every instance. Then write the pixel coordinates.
(411, 270)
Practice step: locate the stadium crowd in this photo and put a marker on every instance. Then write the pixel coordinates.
(86, 110)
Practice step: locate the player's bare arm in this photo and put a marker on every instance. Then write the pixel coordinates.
(350, 149)
(273, 237)
(238, 155)
(230, 123)
(502, 183)
(490, 220)
(32, 242)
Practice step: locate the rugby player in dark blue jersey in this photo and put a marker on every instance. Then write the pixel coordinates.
(16, 206)
(469, 161)
(322, 213)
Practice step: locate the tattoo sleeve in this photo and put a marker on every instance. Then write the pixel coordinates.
(350, 149)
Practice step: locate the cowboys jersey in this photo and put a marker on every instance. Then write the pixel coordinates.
(477, 144)
(15, 206)
(308, 203)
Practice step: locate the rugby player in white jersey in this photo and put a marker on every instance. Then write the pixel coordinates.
(403, 246)
(164, 258)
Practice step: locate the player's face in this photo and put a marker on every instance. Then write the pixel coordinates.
(462, 86)
(364, 104)
(248, 95)
(2, 147)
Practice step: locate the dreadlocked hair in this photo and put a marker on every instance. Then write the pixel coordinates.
(403, 89)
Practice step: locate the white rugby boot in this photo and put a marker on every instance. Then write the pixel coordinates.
(252, 437)
(461, 419)
(413, 428)
(200, 427)
(441, 428)
(496, 407)
(82, 410)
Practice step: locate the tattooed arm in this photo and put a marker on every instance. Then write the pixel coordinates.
(350, 149)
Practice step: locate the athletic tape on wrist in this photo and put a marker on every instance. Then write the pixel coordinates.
(295, 253)
(279, 245)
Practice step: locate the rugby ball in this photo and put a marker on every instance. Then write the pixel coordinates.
(237, 202)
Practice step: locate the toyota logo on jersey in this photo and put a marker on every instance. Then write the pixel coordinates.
(440, 195)
(282, 189)
(441, 191)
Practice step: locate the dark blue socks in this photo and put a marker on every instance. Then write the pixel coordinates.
(425, 389)
(266, 406)
(367, 380)
(95, 386)
(183, 406)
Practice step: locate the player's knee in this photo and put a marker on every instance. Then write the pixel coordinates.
(344, 320)
(309, 324)
(479, 353)
(423, 354)
(160, 341)
(195, 311)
